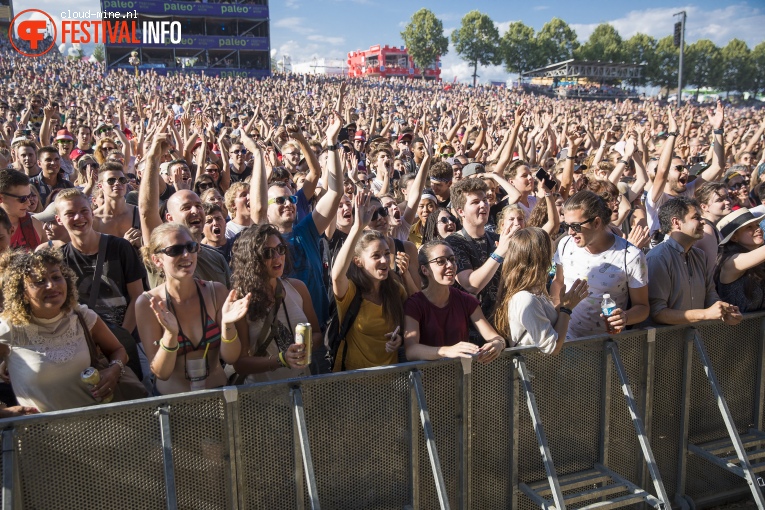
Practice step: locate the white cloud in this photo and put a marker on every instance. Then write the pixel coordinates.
(541, 7)
(327, 39)
(293, 23)
(291, 4)
(718, 25)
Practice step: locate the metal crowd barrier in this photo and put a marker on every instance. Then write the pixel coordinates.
(666, 417)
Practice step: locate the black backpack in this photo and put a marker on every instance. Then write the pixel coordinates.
(337, 331)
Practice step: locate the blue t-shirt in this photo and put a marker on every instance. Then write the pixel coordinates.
(307, 264)
(303, 207)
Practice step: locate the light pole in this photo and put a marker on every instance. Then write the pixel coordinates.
(681, 45)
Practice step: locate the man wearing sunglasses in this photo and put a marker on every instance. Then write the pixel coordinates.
(122, 270)
(276, 205)
(239, 169)
(51, 178)
(15, 191)
(116, 217)
(672, 174)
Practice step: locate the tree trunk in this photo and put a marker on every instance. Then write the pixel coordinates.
(475, 72)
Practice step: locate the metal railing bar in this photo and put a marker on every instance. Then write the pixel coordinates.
(544, 448)
(723, 463)
(163, 412)
(305, 447)
(535, 497)
(8, 468)
(415, 378)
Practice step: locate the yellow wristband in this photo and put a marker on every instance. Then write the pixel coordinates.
(282, 360)
(168, 349)
(229, 341)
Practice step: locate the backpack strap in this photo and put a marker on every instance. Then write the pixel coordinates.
(94, 291)
(345, 326)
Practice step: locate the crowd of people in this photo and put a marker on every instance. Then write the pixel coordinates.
(201, 231)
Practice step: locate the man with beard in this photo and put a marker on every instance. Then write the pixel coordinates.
(184, 207)
(672, 174)
(215, 231)
(715, 204)
(681, 289)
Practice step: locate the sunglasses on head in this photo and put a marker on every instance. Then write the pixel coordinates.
(177, 250)
(283, 200)
(112, 180)
(380, 212)
(447, 219)
(441, 261)
(269, 253)
(23, 199)
(576, 227)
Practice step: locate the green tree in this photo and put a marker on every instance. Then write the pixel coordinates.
(424, 38)
(758, 68)
(702, 64)
(99, 52)
(557, 41)
(736, 70)
(604, 44)
(477, 41)
(641, 49)
(663, 72)
(519, 48)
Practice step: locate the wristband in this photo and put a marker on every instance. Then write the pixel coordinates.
(498, 258)
(229, 341)
(282, 360)
(672, 133)
(570, 157)
(718, 131)
(168, 349)
(121, 365)
(563, 309)
(623, 161)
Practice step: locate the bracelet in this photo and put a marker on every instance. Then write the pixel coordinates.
(497, 258)
(623, 161)
(570, 157)
(563, 309)
(121, 365)
(270, 357)
(672, 133)
(229, 341)
(282, 360)
(718, 131)
(168, 349)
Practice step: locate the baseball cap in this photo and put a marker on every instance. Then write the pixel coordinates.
(48, 215)
(360, 135)
(404, 136)
(63, 134)
(472, 169)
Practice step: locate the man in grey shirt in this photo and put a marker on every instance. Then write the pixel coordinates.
(681, 289)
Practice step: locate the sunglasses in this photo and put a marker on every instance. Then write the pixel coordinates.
(239, 151)
(111, 180)
(441, 261)
(681, 168)
(177, 250)
(737, 186)
(212, 170)
(107, 149)
(205, 186)
(576, 227)
(381, 212)
(86, 165)
(447, 154)
(21, 198)
(283, 200)
(447, 219)
(269, 253)
(102, 131)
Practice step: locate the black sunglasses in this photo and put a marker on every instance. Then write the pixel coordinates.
(202, 186)
(380, 212)
(86, 165)
(269, 253)
(23, 199)
(177, 250)
(737, 186)
(447, 219)
(680, 168)
(111, 180)
(243, 151)
(576, 227)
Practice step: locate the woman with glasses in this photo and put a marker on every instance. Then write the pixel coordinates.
(363, 266)
(610, 264)
(437, 318)
(278, 305)
(738, 190)
(87, 174)
(203, 183)
(526, 314)
(186, 325)
(102, 149)
(212, 170)
(214, 196)
(439, 225)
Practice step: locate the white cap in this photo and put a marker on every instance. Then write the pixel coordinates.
(606, 296)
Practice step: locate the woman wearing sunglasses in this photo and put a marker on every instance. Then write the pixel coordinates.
(87, 174)
(363, 265)
(186, 325)
(102, 149)
(278, 305)
(438, 317)
(439, 225)
(203, 183)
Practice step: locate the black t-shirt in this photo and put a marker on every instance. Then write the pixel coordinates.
(121, 267)
(225, 250)
(236, 177)
(471, 254)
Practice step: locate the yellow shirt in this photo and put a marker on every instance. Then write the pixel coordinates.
(415, 234)
(366, 337)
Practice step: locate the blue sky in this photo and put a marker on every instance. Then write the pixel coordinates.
(305, 29)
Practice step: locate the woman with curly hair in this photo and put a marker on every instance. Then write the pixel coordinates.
(439, 225)
(278, 305)
(363, 266)
(186, 325)
(42, 338)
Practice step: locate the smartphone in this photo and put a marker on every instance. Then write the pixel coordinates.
(543, 176)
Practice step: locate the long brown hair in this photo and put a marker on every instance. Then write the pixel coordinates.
(526, 267)
(390, 289)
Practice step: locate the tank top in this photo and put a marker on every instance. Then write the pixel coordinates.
(210, 328)
(25, 236)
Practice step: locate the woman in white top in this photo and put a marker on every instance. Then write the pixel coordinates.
(41, 336)
(525, 313)
(269, 351)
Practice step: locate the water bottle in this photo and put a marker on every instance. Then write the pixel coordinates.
(607, 306)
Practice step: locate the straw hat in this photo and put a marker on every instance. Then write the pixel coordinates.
(731, 223)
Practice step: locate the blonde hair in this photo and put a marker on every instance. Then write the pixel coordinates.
(155, 243)
(230, 197)
(510, 208)
(526, 267)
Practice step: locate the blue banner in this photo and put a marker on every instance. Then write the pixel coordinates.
(247, 11)
(209, 71)
(206, 42)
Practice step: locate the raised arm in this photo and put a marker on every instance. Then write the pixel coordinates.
(712, 173)
(507, 151)
(362, 217)
(419, 181)
(325, 211)
(258, 184)
(149, 190)
(665, 160)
